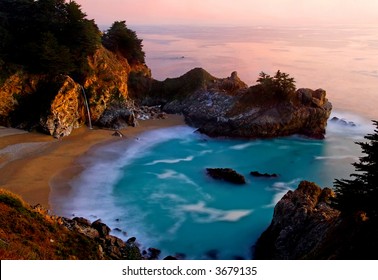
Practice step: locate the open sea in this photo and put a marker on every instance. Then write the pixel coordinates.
(155, 186)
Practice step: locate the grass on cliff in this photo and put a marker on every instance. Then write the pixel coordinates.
(26, 233)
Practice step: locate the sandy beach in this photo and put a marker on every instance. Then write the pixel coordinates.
(30, 161)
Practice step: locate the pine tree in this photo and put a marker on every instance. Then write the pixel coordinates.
(361, 193)
(124, 41)
(280, 84)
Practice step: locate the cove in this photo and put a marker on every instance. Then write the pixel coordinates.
(155, 186)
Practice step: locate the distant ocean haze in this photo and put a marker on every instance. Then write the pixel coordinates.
(155, 186)
(343, 60)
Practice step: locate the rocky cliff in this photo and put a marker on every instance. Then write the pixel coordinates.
(228, 107)
(217, 107)
(305, 226)
(55, 104)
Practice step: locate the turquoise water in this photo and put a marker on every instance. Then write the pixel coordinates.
(155, 187)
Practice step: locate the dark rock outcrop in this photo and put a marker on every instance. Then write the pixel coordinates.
(102, 228)
(153, 253)
(170, 258)
(109, 246)
(117, 117)
(343, 122)
(117, 133)
(226, 174)
(302, 220)
(227, 107)
(217, 107)
(305, 226)
(264, 175)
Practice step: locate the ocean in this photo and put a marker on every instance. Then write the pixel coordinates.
(155, 186)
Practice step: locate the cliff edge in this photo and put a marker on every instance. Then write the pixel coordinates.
(229, 108)
(56, 104)
(305, 226)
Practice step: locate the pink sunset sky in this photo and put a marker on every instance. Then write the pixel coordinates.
(232, 12)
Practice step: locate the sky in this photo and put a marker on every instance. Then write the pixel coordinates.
(232, 12)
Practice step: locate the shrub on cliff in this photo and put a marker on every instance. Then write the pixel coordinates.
(124, 41)
(46, 36)
(361, 193)
(281, 84)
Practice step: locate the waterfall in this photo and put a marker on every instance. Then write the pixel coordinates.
(87, 106)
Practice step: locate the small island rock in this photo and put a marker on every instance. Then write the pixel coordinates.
(226, 174)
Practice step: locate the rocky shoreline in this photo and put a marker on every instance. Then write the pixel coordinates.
(110, 246)
(218, 107)
(115, 94)
(306, 226)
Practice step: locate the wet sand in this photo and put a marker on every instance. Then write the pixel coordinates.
(30, 162)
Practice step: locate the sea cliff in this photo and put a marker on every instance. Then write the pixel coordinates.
(228, 107)
(306, 226)
(56, 105)
(217, 107)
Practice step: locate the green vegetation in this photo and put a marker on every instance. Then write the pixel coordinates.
(46, 36)
(281, 84)
(121, 40)
(55, 37)
(269, 91)
(361, 193)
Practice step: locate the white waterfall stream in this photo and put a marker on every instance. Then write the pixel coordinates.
(87, 106)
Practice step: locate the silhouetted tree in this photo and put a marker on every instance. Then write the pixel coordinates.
(361, 193)
(46, 36)
(281, 83)
(120, 39)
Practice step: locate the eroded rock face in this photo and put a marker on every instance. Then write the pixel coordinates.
(55, 105)
(12, 91)
(51, 104)
(227, 107)
(303, 221)
(65, 111)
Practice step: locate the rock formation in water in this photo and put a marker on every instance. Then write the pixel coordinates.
(263, 175)
(305, 226)
(226, 174)
(228, 107)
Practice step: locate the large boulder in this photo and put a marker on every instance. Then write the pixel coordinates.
(303, 221)
(117, 117)
(226, 174)
(306, 226)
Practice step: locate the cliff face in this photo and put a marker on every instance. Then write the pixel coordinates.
(217, 107)
(227, 107)
(305, 226)
(56, 105)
